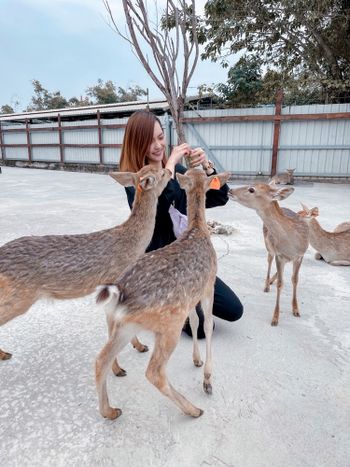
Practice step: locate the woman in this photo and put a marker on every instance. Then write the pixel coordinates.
(144, 143)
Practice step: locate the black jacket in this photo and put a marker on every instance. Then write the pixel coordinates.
(163, 231)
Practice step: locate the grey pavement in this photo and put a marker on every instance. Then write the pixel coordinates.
(280, 395)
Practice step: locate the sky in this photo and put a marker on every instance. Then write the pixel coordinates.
(68, 45)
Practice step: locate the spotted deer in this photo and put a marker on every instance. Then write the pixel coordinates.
(286, 234)
(332, 247)
(158, 292)
(71, 266)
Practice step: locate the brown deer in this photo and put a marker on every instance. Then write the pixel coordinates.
(71, 266)
(158, 292)
(332, 247)
(284, 178)
(286, 234)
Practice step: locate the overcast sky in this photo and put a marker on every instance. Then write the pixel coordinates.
(67, 45)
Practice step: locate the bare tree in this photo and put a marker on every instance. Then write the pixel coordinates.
(173, 43)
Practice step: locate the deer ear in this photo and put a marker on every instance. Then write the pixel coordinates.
(283, 193)
(147, 182)
(314, 212)
(184, 181)
(305, 208)
(124, 178)
(272, 183)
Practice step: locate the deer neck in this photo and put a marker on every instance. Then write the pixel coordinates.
(270, 212)
(317, 234)
(273, 217)
(143, 216)
(196, 211)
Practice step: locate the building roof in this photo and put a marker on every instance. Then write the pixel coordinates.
(124, 108)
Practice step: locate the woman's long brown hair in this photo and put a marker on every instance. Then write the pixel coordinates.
(137, 140)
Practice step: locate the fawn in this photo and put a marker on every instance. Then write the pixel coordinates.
(159, 291)
(333, 247)
(286, 234)
(285, 178)
(71, 266)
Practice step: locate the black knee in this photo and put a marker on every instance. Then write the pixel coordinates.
(237, 314)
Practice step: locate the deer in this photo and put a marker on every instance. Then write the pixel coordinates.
(332, 247)
(284, 178)
(72, 266)
(158, 292)
(286, 234)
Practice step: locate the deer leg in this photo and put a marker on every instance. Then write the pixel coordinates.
(116, 368)
(273, 278)
(13, 305)
(280, 267)
(295, 277)
(138, 345)
(341, 262)
(194, 322)
(117, 340)
(207, 305)
(267, 280)
(156, 371)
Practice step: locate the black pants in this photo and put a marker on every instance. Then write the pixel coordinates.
(226, 306)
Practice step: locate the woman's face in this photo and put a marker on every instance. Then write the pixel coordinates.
(157, 147)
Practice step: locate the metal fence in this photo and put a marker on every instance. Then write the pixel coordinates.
(314, 139)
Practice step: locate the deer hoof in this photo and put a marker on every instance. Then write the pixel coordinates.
(207, 388)
(117, 370)
(267, 289)
(5, 355)
(112, 414)
(318, 256)
(198, 413)
(296, 314)
(198, 363)
(274, 322)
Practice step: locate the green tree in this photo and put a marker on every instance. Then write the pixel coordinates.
(309, 38)
(103, 93)
(6, 109)
(130, 94)
(45, 100)
(243, 82)
(108, 93)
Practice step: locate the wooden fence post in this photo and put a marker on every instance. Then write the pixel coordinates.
(3, 155)
(276, 131)
(28, 142)
(60, 138)
(99, 129)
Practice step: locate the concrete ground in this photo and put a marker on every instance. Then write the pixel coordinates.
(280, 395)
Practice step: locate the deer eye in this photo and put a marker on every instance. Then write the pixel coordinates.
(251, 190)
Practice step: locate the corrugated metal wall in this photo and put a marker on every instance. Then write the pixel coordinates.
(316, 147)
(240, 147)
(15, 138)
(312, 147)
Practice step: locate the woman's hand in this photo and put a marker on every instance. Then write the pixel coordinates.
(198, 157)
(177, 154)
